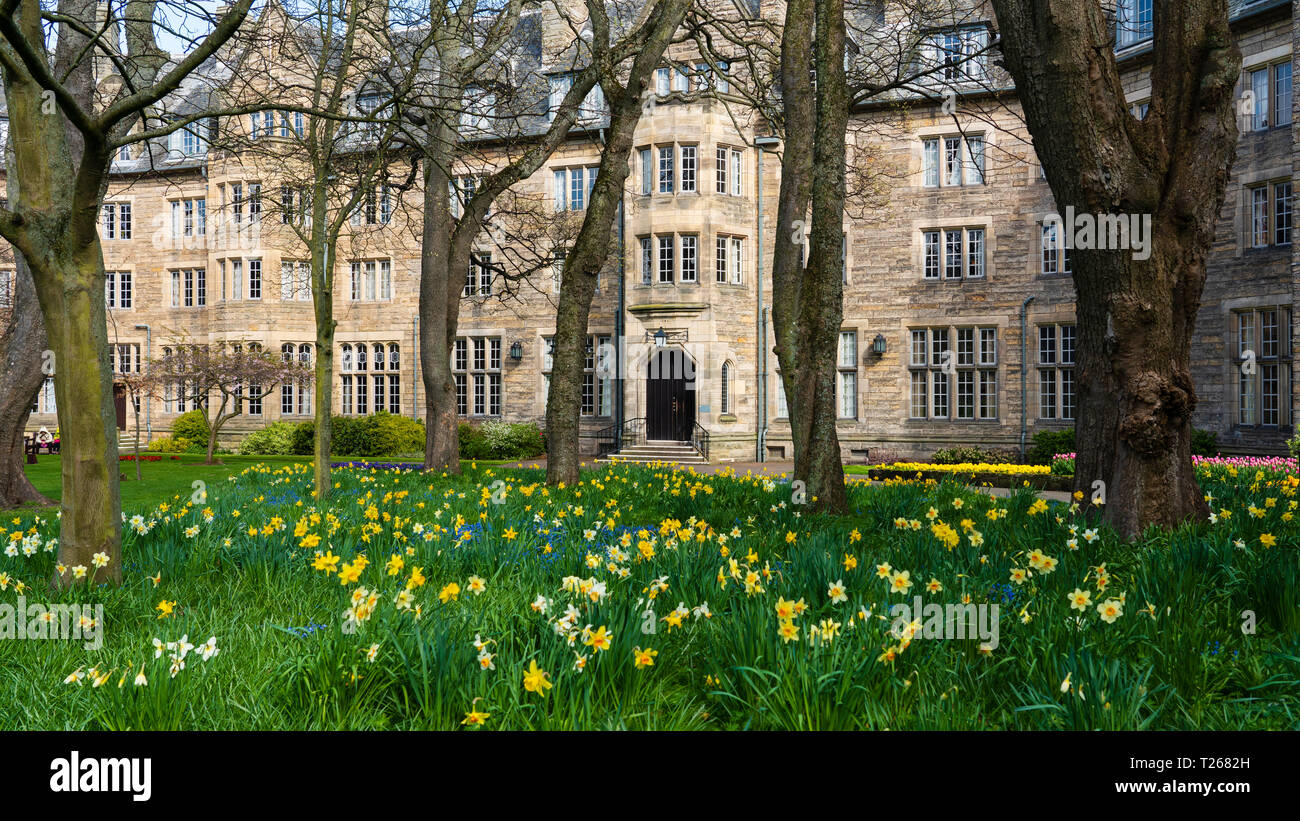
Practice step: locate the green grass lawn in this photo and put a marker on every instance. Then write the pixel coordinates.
(646, 598)
(169, 478)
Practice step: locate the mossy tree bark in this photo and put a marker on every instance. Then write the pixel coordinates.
(1135, 316)
(808, 303)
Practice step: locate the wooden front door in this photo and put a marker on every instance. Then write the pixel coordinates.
(670, 396)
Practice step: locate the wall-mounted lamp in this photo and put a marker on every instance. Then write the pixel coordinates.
(661, 338)
(878, 345)
(516, 351)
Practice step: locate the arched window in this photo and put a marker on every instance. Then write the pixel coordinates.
(361, 357)
(286, 351)
(728, 389)
(304, 354)
(394, 357)
(346, 365)
(379, 356)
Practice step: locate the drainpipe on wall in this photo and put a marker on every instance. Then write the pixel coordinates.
(415, 367)
(762, 431)
(148, 404)
(1024, 373)
(619, 330)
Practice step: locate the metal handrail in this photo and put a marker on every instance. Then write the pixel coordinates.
(612, 440)
(700, 440)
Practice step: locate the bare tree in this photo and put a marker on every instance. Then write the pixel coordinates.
(816, 91)
(655, 30)
(65, 135)
(1136, 315)
(325, 92)
(475, 127)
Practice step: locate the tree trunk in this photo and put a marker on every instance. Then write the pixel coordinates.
(1136, 316)
(72, 297)
(323, 441)
(439, 310)
(822, 306)
(137, 438)
(22, 342)
(215, 428)
(1136, 390)
(808, 303)
(58, 236)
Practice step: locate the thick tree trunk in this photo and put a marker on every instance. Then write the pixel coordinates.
(20, 383)
(808, 304)
(439, 310)
(564, 401)
(1135, 316)
(577, 287)
(822, 308)
(72, 297)
(58, 218)
(1136, 390)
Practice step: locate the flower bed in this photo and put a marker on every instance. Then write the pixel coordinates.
(992, 474)
(1228, 468)
(379, 465)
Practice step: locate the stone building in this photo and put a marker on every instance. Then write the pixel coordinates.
(959, 308)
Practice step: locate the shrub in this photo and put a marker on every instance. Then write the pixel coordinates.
(387, 434)
(513, 440)
(1048, 443)
(303, 441)
(967, 454)
(348, 437)
(169, 444)
(192, 426)
(276, 439)
(1293, 445)
(473, 444)
(380, 434)
(1204, 443)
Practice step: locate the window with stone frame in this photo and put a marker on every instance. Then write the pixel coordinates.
(1261, 355)
(953, 373)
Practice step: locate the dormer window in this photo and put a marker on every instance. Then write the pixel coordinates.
(367, 107)
(1133, 22)
(958, 54)
(592, 106)
(189, 140)
(480, 109)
